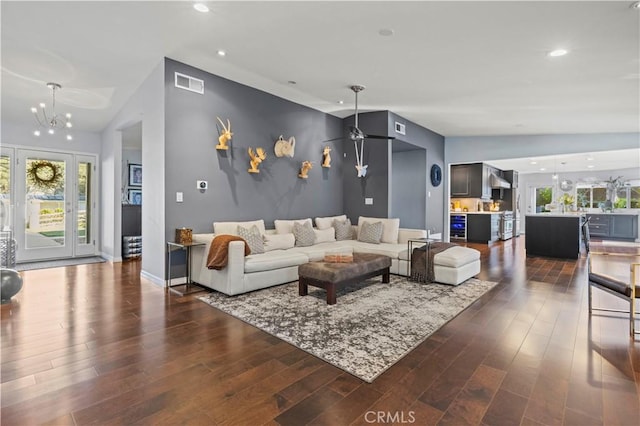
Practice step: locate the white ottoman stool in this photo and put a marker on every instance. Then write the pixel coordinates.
(456, 265)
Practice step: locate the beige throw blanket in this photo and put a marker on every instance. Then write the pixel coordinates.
(419, 261)
(218, 256)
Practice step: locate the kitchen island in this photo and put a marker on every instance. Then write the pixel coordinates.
(553, 235)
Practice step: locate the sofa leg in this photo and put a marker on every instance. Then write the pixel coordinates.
(385, 276)
(303, 288)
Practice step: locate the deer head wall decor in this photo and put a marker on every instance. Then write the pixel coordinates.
(304, 169)
(225, 135)
(256, 159)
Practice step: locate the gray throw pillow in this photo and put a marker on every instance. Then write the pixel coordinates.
(253, 238)
(303, 232)
(344, 230)
(371, 232)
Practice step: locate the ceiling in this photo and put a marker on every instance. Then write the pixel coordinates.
(458, 68)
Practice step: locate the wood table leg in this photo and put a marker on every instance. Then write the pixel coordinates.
(303, 288)
(385, 276)
(331, 293)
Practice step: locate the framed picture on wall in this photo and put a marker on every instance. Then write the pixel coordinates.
(135, 197)
(135, 174)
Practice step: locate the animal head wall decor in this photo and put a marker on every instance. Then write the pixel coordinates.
(225, 135)
(304, 169)
(284, 148)
(256, 159)
(326, 153)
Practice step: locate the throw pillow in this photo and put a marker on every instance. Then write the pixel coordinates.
(390, 228)
(286, 226)
(231, 228)
(253, 238)
(325, 235)
(279, 241)
(327, 222)
(370, 232)
(344, 230)
(304, 234)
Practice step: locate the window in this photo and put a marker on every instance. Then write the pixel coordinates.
(543, 197)
(594, 196)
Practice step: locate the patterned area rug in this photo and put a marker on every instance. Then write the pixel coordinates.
(370, 328)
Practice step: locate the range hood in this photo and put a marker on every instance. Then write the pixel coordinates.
(499, 183)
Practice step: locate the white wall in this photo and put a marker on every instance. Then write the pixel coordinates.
(22, 135)
(147, 106)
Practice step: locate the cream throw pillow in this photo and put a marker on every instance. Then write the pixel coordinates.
(325, 235)
(286, 226)
(279, 241)
(390, 228)
(327, 222)
(231, 228)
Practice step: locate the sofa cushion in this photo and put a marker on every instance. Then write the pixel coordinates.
(253, 237)
(344, 229)
(271, 260)
(317, 251)
(370, 232)
(278, 241)
(304, 234)
(390, 228)
(455, 257)
(394, 251)
(327, 222)
(325, 235)
(232, 227)
(286, 226)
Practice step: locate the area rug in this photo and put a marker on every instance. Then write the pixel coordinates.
(372, 326)
(29, 266)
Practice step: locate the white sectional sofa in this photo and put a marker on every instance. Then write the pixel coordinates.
(280, 265)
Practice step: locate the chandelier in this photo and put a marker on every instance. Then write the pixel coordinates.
(54, 121)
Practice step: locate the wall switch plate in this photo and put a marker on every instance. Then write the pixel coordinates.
(202, 184)
(179, 198)
(368, 201)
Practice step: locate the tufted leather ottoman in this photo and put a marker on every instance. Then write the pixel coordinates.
(330, 275)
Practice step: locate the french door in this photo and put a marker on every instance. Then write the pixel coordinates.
(54, 205)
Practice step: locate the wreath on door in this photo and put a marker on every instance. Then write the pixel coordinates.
(44, 174)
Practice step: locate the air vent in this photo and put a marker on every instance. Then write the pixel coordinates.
(189, 83)
(400, 128)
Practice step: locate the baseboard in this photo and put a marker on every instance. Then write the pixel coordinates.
(153, 278)
(109, 258)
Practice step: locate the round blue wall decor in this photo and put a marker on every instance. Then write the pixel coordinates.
(436, 175)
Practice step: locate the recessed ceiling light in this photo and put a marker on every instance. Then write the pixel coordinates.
(341, 102)
(542, 169)
(558, 52)
(534, 162)
(386, 32)
(555, 176)
(589, 158)
(201, 7)
(36, 132)
(590, 166)
(222, 53)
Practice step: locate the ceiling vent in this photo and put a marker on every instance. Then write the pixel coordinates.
(400, 128)
(186, 82)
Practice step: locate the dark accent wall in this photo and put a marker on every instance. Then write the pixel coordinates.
(376, 154)
(409, 187)
(257, 120)
(434, 145)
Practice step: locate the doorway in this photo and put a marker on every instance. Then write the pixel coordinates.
(52, 203)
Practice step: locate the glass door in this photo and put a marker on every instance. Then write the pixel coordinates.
(85, 205)
(44, 205)
(6, 188)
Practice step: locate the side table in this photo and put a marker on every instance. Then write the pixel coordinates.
(188, 287)
(423, 241)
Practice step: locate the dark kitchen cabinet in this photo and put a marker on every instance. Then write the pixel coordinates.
(483, 227)
(471, 181)
(615, 226)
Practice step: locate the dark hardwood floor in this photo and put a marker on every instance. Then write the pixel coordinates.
(97, 344)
